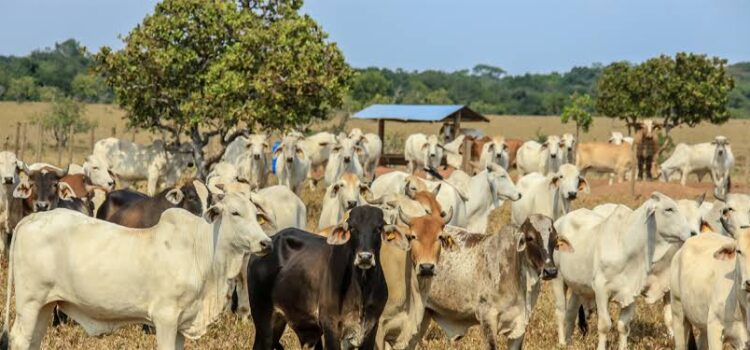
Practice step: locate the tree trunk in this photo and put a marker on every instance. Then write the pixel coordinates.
(578, 129)
(198, 143)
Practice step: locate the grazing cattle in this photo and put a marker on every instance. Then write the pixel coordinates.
(157, 163)
(10, 207)
(145, 213)
(543, 158)
(492, 280)
(605, 158)
(448, 196)
(344, 158)
(180, 294)
(722, 164)
(250, 156)
(323, 287)
(617, 138)
(422, 151)
(340, 197)
(614, 256)
(408, 276)
(646, 147)
(486, 190)
(568, 148)
(548, 195)
(292, 165)
(373, 149)
(710, 289)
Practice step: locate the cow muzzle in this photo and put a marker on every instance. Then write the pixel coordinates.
(41, 206)
(265, 247)
(289, 160)
(746, 286)
(7, 180)
(351, 204)
(364, 260)
(549, 273)
(426, 270)
(572, 195)
(347, 159)
(256, 156)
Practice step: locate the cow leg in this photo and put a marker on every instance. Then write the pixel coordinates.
(602, 310)
(623, 324)
(558, 290)
(714, 333)
(30, 325)
(488, 321)
(667, 311)
(571, 313)
(243, 297)
(262, 311)
(680, 326)
(279, 326)
(166, 332)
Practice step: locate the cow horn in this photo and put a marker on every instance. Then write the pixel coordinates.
(448, 216)
(404, 217)
(376, 201)
(62, 172)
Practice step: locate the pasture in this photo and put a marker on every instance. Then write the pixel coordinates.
(648, 331)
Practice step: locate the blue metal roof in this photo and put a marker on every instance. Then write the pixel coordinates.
(418, 113)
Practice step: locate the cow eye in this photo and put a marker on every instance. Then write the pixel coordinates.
(739, 252)
(669, 210)
(236, 213)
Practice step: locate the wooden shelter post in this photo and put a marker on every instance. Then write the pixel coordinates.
(381, 135)
(456, 124)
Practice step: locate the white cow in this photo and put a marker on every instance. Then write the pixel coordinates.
(710, 287)
(250, 155)
(722, 164)
(292, 164)
(96, 171)
(373, 148)
(548, 195)
(612, 259)
(731, 214)
(543, 158)
(487, 191)
(348, 192)
(422, 151)
(495, 151)
(157, 163)
(10, 166)
(140, 275)
(454, 152)
(222, 173)
(618, 138)
(449, 197)
(344, 158)
(699, 159)
(568, 148)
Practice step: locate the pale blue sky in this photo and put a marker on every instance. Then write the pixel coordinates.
(520, 36)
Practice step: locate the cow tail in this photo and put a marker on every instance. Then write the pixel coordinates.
(5, 340)
(583, 327)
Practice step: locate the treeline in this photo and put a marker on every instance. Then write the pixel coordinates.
(46, 74)
(64, 69)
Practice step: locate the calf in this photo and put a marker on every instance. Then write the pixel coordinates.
(614, 256)
(323, 287)
(549, 195)
(710, 288)
(493, 280)
(544, 158)
(144, 213)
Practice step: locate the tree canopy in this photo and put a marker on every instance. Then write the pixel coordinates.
(202, 68)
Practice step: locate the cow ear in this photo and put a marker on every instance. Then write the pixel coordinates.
(212, 214)
(323, 144)
(175, 196)
(65, 192)
(544, 145)
(299, 152)
(278, 151)
(583, 185)
(448, 242)
(554, 181)
(23, 190)
(339, 235)
(436, 190)
(19, 165)
(726, 252)
(705, 227)
(564, 245)
(335, 190)
(396, 236)
(521, 242)
(360, 151)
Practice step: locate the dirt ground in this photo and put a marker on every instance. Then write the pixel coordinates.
(648, 331)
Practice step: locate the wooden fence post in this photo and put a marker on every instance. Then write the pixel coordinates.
(71, 144)
(40, 143)
(114, 131)
(17, 147)
(466, 165)
(24, 140)
(92, 139)
(747, 168)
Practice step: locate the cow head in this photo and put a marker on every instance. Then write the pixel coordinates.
(9, 168)
(495, 152)
(739, 250)
(181, 155)
(289, 150)
(616, 138)
(96, 170)
(192, 196)
(647, 128)
(501, 184)
(347, 150)
(569, 182)
(432, 151)
(690, 208)
(665, 224)
(356, 134)
(257, 146)
(42, 189)
(569, 147)
(238, 224)
(538, 241)
(553, 146)
(348, 191)
(363, 232)
(427, 237)
(721, 143)
(735, 212)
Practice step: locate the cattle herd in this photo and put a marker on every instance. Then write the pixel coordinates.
(392, 251)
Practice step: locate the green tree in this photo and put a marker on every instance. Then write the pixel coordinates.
(22, 89)
(618, 93)
(489, 71)
(578, 110)
(88, 87)
(65, 114)
(49, 93)
(201, 68)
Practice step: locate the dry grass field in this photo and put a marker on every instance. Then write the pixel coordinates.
(647, 332)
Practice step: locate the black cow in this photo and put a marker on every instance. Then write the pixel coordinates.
(332, 287)
(42, 190)
(116, 200)
(146, 212)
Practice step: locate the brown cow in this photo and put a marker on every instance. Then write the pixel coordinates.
(191, 196)
(646, 146)
(41, 190)
(605, 157)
